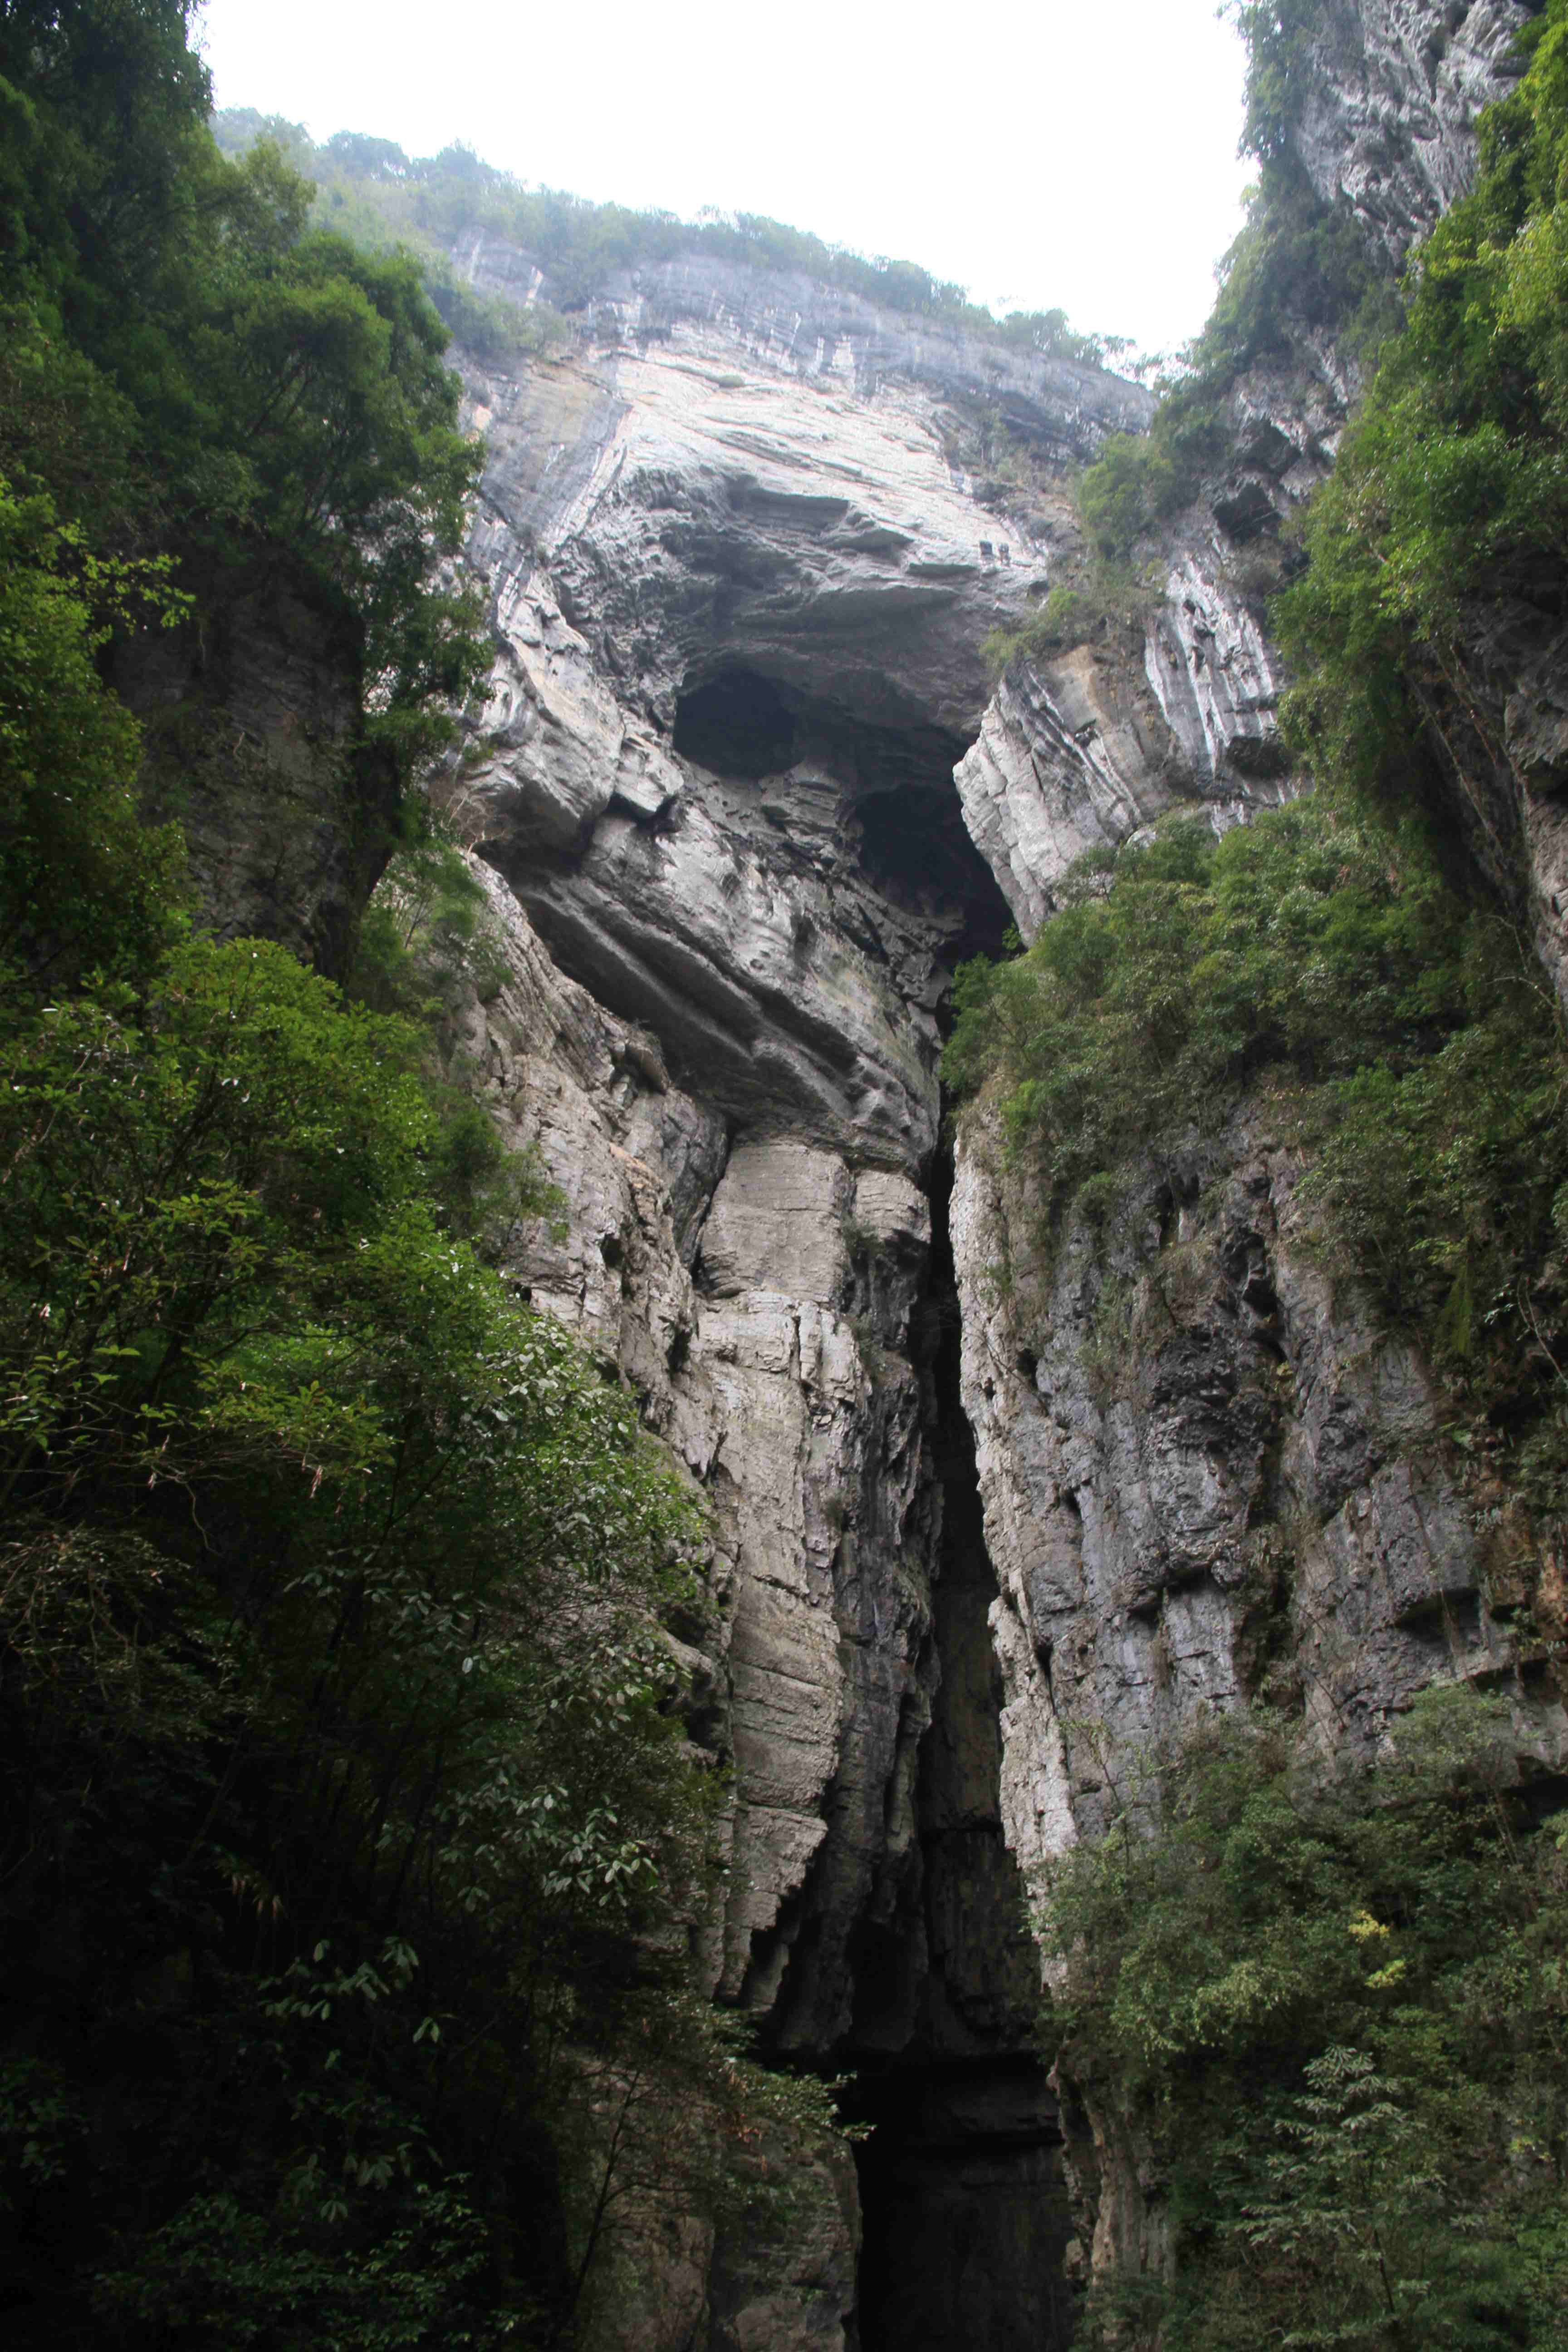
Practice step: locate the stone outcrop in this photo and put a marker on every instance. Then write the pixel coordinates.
(1392, 91)
(252, 736)
(1079, 750)
(732, 471)
(720, 1277)
(742, 793)
(1210, 1478)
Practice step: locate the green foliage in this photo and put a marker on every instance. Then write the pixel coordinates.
(1337, 2005)
(328, 1626)
(1108, 596)
(346, 1794)
(1181, 969)
(1048, 333)
(1277, 34)
(1449, 482)
(426, 938)
(193, 373)
(1298, 264)
(81, 881)
(1406, 1038)
(427, 932)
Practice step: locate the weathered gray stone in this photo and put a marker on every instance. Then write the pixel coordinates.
(1392, 90)
(1207, 1475)
(1072, 755)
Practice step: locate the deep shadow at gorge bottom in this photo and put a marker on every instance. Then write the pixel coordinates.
(964, 2207)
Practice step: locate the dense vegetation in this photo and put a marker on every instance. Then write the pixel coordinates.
(351, 1842)
(1335, 2013)
(1329, 2012)
(1450, 493)
(1401, 1031)
(188, 370)
(381, 196)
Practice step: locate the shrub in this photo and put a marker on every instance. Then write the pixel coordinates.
(1333, 2004)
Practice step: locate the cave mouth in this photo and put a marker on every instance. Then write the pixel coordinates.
(964, 2210)
(916, 852)
(738, 724)
(902, 813)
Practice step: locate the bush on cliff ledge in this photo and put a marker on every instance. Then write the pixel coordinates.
(1336, 2009)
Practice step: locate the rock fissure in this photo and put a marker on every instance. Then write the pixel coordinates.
(991, 1532)
(966, 2215)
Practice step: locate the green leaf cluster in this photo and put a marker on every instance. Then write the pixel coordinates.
(1337, 2006)
(1106, 595)
(1449, 492)
(81, 879)
(192, 372)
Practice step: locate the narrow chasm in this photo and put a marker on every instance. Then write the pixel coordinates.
(964, 2205)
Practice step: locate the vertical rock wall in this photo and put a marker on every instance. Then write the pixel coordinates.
(743, 795)
(739, 576)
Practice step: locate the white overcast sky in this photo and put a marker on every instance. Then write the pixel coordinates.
(1051, 153)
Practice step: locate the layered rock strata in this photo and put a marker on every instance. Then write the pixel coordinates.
(1392, 91)
(741, 794)
(739, 578)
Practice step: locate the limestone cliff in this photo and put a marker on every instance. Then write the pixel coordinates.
(741, 795)
(740, 562)
(1209, 1476)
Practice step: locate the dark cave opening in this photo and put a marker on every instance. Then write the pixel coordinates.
(738, 724)
(900, 809)
(915, 849)
(963, 2200)
(963, 2211)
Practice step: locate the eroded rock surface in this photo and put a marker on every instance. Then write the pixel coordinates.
(741, 556)
(1393, 88)
(1209, 1477)
(720, 1278)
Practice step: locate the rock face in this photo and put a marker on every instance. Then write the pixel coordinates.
(741, 794)
(1077, 751)
(1393, 88)
(252, 736)
(1209, 1477)
(739, 580)
(720, 1277)
(739, 575)
(736, 471)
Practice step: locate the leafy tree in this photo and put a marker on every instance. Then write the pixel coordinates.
(1333, 2004)
(197, 375)
(328, 1628)
(82, 882)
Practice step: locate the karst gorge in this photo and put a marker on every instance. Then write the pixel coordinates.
(784, 1261)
